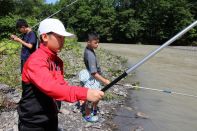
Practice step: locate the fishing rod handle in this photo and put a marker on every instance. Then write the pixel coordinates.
(114, 82)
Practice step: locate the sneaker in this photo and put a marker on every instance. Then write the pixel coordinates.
(91, 118)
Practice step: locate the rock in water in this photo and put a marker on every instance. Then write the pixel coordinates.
(142, 115)
(138, 128)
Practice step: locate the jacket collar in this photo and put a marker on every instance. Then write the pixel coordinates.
(50, 53)
(90, 48)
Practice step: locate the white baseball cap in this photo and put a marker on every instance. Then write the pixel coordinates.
(53, 25)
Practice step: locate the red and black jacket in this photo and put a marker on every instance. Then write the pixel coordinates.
(43, 83)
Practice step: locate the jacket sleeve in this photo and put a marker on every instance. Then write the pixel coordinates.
(37, 72)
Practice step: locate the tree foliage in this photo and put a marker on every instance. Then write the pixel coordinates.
(148, 21)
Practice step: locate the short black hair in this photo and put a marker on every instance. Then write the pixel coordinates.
(20, 23)
(93, 36)
(41, 40)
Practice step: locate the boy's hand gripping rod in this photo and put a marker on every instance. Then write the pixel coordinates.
(149, 56)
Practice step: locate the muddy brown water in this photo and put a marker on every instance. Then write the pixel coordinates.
(172, 69)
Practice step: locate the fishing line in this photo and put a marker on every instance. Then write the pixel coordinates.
(160, 90)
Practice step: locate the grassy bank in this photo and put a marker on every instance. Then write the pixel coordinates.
(72, 56)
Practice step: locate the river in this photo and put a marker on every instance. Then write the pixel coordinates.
(171, 69)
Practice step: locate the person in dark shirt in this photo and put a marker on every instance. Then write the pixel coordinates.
(28, 40)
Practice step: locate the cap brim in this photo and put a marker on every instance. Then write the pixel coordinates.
(64, 33)
(69, 34)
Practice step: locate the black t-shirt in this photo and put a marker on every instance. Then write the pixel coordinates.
(31, 38)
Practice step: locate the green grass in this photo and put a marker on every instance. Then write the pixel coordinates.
(111, 96)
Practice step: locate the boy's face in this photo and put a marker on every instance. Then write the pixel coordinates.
(54, 41)
(22, 29)
(93, 44)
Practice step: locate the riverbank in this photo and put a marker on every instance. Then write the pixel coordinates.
(69, 118)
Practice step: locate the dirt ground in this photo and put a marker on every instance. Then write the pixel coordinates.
(172, 69)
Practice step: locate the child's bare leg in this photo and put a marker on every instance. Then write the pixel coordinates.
(94, 110)
(95, 105)
(88, 109)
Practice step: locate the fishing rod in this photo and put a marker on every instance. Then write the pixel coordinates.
(135, 87)
(64, 7)
(177, 36)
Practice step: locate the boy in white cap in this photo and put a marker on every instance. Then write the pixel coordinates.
(43, 82)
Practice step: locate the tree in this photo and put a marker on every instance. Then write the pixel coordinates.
(162, 19)
(26, 8)
(6, 7)
(128, 26)
(86, 16)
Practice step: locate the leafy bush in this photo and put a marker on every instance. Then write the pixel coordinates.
(9, 64)
(194, 43)
(8, 47)
(71, 43)
(10, 71)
